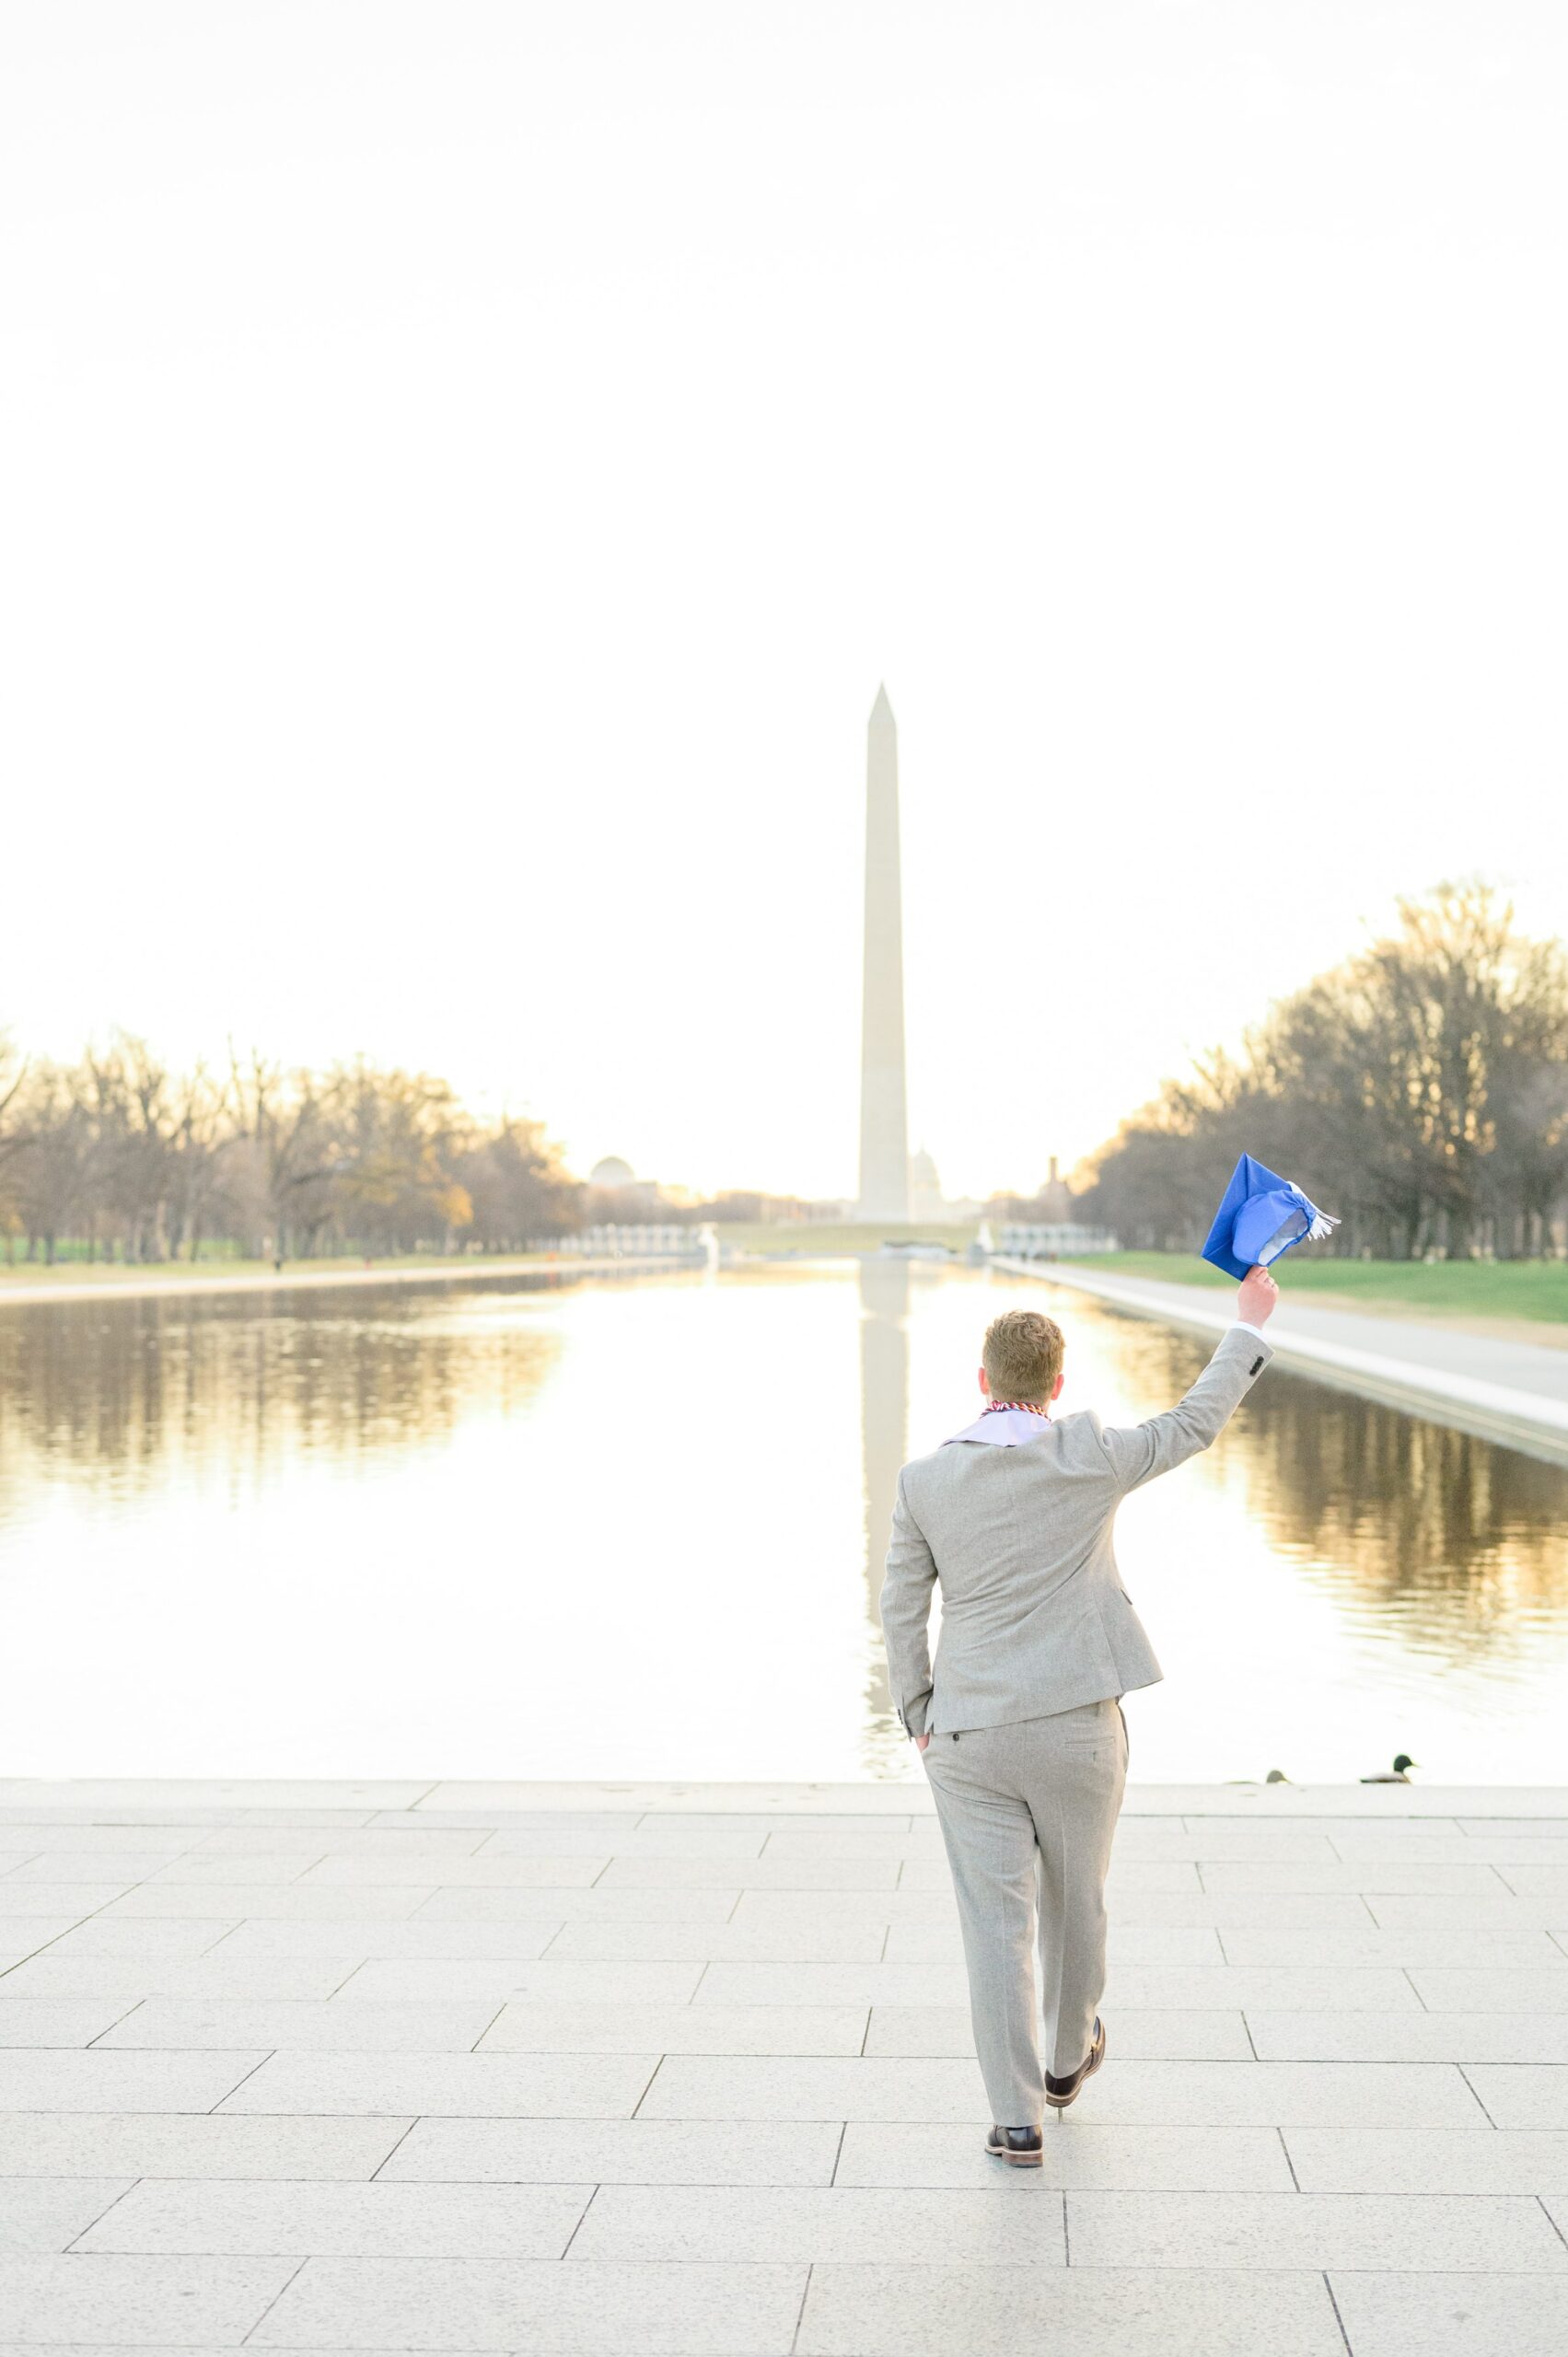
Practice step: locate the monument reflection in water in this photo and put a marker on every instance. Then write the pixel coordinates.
(884, 1445)
(614, 1530)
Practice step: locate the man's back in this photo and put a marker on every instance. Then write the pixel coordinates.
(1034, 1616)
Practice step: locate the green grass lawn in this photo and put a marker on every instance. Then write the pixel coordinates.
(1534, 1289)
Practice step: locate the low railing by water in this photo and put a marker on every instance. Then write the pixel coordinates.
(1062, 1241)
(630, 1242)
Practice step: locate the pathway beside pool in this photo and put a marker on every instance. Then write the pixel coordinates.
(687, 2069)
(1505, 1389)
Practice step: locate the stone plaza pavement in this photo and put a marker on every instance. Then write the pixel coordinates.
(687, 2069)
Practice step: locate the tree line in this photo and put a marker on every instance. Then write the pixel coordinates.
(119, 1157)
(1419, 1090)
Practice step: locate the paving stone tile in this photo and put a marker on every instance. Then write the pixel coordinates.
(66, 1902)
(945, 2029)
(137, 2302)
(1282, 2094)
(45, 2021)
(341, 2219)
(182, 1799)
(694, 2086)
(1234, 1909)
(25, 1935)
(284, 1902)
(804, 1941)
(127, 1818)
(677, 1841)
(192, 2145)
(394, 1942)
(1496, 2036)
(1142, 1875)
(115, 1867)
(1259, 1825)
(1224, 1837)
(1461, 1915)
(535, 2306)
(62, 2081)
(1428, 2160)
(753, 1908)
(786, 1820)
(392, 1864)
(838, 2224)
(120, 1935)
(1424, 1843)
(1364, 1943)
(1360, 1988)
(523, 1820)
(1491, 2314)
(766, 1873)
(1522, 2095)
(126, 1981)
(237, 1842)
(47, 2213)
(1462, 1990)
(572, 1983)
(1127, 1945)
(169, 1840)
(1350, 2230)
(1404, 1878)
(1518, 1827)
(828, 1840)
(882, 2311)
(1201, 2159)
(1363, 1837)
(642, 2152)
(1503, 1854)
(566, 2086)
(832, 1984)
(675, 2029)
(194, 2023)
(1538, 1882)
(253, 1870)
(593, 1905)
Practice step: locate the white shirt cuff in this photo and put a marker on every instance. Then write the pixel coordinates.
(1245, 1325)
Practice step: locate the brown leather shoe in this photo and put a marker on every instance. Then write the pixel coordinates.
(1060, 2093)
(1020, 2147)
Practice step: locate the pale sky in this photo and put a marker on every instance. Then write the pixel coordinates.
(468, 466)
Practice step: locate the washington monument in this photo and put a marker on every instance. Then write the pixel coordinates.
(884, 1121)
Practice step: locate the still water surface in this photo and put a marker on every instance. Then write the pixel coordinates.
(636, 1529)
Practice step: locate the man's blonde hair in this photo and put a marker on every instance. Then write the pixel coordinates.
(1023, 1355)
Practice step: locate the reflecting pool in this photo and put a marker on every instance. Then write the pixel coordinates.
(636, 1527)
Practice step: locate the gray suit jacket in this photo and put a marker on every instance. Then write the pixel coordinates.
(1034, 1614)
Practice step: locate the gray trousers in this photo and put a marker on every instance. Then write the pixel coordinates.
(1028, 1812)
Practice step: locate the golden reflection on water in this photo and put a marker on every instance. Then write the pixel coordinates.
(125, 1395)
(884, 1445)
(1459, 1545)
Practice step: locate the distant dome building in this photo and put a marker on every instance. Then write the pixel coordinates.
(925, 1187)
(637, 1198)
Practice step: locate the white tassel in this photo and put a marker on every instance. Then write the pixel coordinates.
(1322, 1227)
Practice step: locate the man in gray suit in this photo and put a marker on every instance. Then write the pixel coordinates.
(1020, 1723)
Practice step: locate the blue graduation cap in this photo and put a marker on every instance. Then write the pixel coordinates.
(1261, 1215)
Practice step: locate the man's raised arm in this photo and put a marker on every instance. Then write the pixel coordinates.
(906, 1610)
(1138, 1452)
